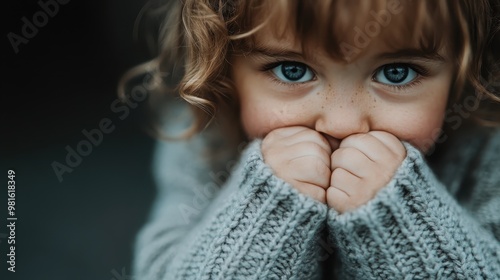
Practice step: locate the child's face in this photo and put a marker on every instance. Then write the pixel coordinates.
(393, 90)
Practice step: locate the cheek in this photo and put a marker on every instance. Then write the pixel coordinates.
(259, 117)
(421, 126)
(420, 122)
(251, 120)
(426, 132)
(253, 112)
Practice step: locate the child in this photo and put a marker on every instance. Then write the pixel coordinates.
(308, 127)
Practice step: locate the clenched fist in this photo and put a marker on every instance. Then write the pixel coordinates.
(361, 166)
(301, 157)
(345, 178)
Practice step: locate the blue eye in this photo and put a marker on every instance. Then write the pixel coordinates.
(293, 72)
(395, 74)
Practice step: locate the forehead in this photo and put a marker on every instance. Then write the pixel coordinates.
(344, 29)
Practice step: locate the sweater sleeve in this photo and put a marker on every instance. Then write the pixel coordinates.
(255, 227)
(414, 229)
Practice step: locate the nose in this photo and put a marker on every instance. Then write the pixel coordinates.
(343, 114)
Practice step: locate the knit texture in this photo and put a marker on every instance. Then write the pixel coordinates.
(206, 224)
(257, 227)
(413, 229)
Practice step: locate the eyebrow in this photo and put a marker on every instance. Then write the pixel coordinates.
(412, 54)
(283, 52)
(409, 53)
(275, 51)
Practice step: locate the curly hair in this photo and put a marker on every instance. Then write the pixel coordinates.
(198, 38)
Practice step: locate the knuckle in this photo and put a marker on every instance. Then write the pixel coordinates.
(312, 133)
(267, 142)
(321, 169)
(342, 154)
(359, 136)
(317, 136)
(336, 172)
(316, 148)
(338, 175)
(313, 162)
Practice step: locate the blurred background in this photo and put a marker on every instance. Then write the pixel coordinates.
(77, 215)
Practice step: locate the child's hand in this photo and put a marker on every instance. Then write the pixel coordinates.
(361, 166)
(301, 157)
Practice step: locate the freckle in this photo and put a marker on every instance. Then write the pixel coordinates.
(352, 100)
(340, 106)
(322, 107)
(375, 100)
(281, 111)
(317, 93)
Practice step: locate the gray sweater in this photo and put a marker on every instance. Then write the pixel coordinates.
(219, 218)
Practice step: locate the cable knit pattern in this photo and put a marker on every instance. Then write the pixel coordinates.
(256, 226)
(413, 229)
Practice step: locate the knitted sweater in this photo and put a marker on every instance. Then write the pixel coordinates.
(234, 219)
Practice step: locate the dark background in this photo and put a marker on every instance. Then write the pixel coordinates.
(63, 80)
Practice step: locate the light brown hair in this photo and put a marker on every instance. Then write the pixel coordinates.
(198, 38)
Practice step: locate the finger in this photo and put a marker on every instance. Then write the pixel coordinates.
(345, 181)
(359, 189)
(311, 190)
(301, 149)
(352, 160)
(391, 142)
(309, 169)
(288, 136)
(279, 135)
(346, 191)
(337, 199)
(288, 131)
(309, 135)
(369, 145)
